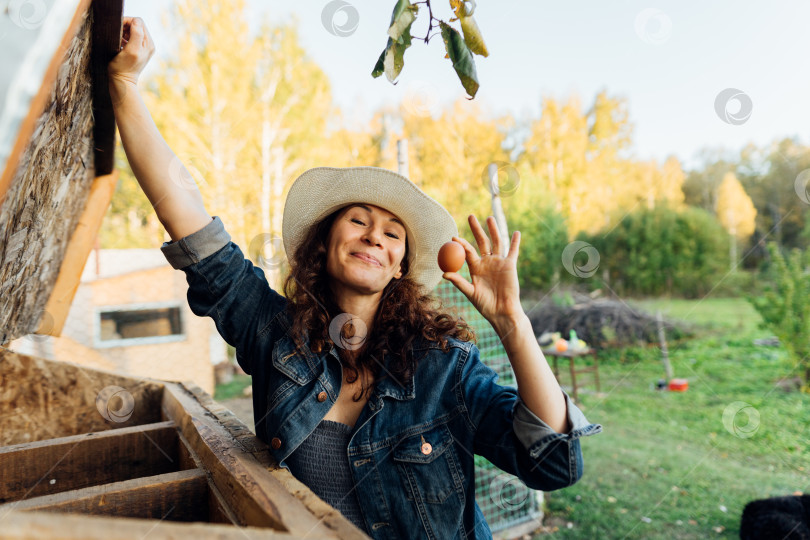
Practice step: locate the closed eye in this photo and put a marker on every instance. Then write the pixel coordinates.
(389, 234)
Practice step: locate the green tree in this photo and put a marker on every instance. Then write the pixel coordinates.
(543, 236)
(662, 251)
(244, 125)
(582, 158)
(784, 307)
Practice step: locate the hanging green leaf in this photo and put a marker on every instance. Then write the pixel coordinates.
(392, 58)
(401, 20)
(461, 57)
(472, 34)
(379, 68)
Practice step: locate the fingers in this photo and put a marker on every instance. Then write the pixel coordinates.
(472, 255)
(148, 42)
(514, 246)
(493, 233)
(480, 236)
(461, 284)
(134, 31)
(484, 243)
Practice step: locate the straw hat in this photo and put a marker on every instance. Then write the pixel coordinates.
(320, 191)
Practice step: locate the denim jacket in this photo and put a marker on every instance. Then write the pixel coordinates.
(406, 488)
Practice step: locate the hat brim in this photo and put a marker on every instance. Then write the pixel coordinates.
(318, 192)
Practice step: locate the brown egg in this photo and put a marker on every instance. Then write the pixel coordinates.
(451, 257)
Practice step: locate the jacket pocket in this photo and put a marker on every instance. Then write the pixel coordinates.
(428, 466)
(292, 371)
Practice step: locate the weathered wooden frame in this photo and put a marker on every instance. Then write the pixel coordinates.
(198, 463)
(106, 37)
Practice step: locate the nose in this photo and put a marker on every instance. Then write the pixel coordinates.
(372, 236)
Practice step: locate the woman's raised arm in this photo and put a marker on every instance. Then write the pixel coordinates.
(177, 201)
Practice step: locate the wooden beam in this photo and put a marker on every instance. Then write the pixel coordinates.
(69, 463)
(177, 496)
(257, 499)
(38, 102)
(76, 254)
(218, 510)
(245, 440)
(107, 28)
(33, 525)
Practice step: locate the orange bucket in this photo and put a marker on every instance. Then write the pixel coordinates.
(678, 385)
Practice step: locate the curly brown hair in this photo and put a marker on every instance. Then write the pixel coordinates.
(404, 314)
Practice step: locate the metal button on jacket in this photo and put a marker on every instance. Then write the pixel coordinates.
(322, 396)
(275, 443)
(426, 447)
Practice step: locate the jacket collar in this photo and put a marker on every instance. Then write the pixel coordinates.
(388, 386)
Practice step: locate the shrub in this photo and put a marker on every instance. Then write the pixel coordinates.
(662, 251)
(543, 236)
(784, 306)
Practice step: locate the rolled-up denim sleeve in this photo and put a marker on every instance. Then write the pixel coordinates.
(197, 246)
(513, 438)
(226, 286)
(537, 436)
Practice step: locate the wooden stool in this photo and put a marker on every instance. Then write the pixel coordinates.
(572, 355)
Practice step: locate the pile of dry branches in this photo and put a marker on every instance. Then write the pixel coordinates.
(601, 322)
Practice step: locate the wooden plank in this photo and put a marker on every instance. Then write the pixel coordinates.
(256, 497)
(176, 496)
(258, 449)
(107, 28)
(76, 254)
(32, 525)
(218, 510)
(69, 463)
(39, 101)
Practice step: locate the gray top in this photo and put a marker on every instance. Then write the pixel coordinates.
(321, 463)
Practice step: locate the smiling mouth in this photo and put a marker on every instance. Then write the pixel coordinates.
(367, 258)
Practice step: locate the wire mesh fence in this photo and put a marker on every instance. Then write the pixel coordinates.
(504, 500)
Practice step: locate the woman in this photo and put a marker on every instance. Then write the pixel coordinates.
(361, 388)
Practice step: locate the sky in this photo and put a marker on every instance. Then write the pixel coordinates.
(669, 60)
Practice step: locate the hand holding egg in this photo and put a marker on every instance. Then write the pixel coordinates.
(451, 257)
(493, 287)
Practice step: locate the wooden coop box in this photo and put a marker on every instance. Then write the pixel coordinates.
(85, 453)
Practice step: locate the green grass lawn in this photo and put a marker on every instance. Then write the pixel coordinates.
(232, 389)
(666, 465)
